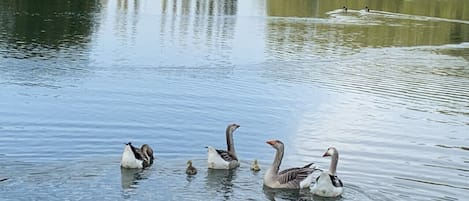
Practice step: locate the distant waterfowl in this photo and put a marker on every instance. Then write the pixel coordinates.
(137, 158)
(3, 179)
(367, 9)
(221, 159)
(293, 178)
(345, 9)
(191, 170)
(327, 183)
(255, 166)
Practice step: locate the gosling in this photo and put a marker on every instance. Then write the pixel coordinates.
(190, 169)
(255, 166)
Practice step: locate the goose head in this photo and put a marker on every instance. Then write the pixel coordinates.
(276, 144)
(331, 151)
(232, 127)
(189, 163)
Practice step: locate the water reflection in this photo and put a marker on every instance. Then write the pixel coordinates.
(286, 194)
(39, 29)
(205, 31)
(220, 181)
(45, 41)
(294, 8)
(200, 7)
(452, 9)
(387, 25)
(130, 177)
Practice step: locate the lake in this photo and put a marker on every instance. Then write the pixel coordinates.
(388, 88)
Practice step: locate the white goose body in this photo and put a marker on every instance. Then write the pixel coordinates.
(215, 161)
(129, 160)
(221, 159)
(292, 178)
(327, 183)
(324, 186)
(136, 158)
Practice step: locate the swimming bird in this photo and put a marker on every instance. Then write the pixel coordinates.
(224, 159)
(367, 9)
(345, 9)
(191, 170)
(133, 157)
(327, 183)
(292, 178)
(255, 166)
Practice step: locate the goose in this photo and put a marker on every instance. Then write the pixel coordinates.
(191, 170)
(255, 166)
(292, 178)
(367, 9)
(137, 158)
(224, 159)
(327, 183)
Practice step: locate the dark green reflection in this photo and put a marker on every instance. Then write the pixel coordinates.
(293, 8)
(390, 23)
(450, 9)
(28, 26)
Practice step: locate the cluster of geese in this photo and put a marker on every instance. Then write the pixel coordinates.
(327, 184)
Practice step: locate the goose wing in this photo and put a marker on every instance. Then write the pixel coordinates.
(225, 155)
(336, 181)
(137, 152)
(293, 176)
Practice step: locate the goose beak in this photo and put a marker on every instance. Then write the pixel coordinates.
(326, 154)
(271, 142)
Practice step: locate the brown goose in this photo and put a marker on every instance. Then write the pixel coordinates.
(292, 178)
(133, 157)
(224, 159)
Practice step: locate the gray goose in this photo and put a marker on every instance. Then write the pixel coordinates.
(224, 159)
(292, 178)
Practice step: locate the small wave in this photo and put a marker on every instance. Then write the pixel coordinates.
(453, 147)
(416, 17)
(432, 183)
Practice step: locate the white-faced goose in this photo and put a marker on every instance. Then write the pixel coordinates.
(221, 159)
(292, 178)
(133, 157)
(328, 184)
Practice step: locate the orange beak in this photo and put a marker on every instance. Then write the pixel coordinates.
(271, 142)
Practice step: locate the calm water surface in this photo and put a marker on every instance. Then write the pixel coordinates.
(388, 88)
